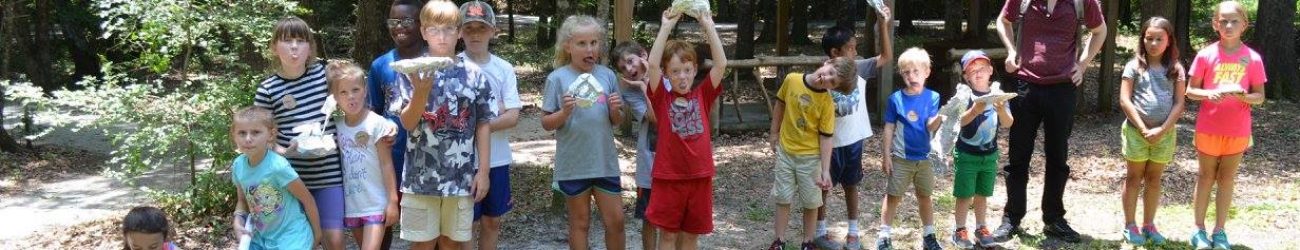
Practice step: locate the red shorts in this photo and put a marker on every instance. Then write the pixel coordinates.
(682, 205)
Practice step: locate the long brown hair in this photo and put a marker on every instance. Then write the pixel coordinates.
(1170, 58)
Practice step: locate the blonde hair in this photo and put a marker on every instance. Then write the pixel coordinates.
(252, 114)
(847, 71)
(343, 70)
(293, 27)
(566, 32)
(1235, 6)
(439, 12)
(914, 58)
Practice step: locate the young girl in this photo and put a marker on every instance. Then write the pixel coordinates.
(1227, 77)
(683, 174)
(276, 205)
(145, 228)
(582, 105)
(295, 94)
(369, 185)
(1151, 96)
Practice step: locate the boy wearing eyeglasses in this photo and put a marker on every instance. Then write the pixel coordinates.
(382, 82)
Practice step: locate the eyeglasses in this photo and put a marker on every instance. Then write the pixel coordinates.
(393, 23)
(980, 70)
(445, 30)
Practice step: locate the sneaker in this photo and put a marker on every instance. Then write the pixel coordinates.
(1153, 236)
(1221, 240)
(852, 242)
(932, 243)
(985, 239)
(961, 239)
(1061, 230)
(1007, 230)
(883, 244)
(1200, 241)
(777, 245)
(808, 246)
(825, 242)
(1133, 235)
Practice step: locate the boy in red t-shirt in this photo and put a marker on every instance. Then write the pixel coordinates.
(682, 203)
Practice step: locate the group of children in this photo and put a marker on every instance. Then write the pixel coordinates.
(428, 149)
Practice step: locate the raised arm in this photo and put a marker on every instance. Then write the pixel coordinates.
(885, 23)
(411, 114)
(655, 72)
(715, 47)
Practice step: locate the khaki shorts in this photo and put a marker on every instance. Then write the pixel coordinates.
(797, 175)
(424, 218)
(906, 172)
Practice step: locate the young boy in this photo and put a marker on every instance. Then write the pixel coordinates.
(911, 116)
(447, 166)
(384, 84)
(630, 62)
(803, 153)
(976, 152)
(478, 27)
(854, 126)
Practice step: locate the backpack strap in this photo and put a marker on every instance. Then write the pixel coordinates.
(1020, 22)
(1078, 34)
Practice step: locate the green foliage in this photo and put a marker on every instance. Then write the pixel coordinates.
(164, 30)
(206, 202)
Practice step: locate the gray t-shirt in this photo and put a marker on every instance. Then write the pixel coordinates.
(584, 146)
(1153, 93)
(867, 68)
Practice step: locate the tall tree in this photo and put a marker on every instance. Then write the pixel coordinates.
(799, 17)
(1163, 8)
(768, 16)
(745, 33)
(370, 37)
(36, 39)
(1278, 47)
(952, 19)
(79, 28)
(1182, 21)
(510, 7)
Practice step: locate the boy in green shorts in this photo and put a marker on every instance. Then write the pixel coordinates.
(976, 153)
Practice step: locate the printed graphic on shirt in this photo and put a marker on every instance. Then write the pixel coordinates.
(587, 90)
(1231, 73)
(265, 206)
(844, 104)
(397, 96)
(911, 116)
(686, 120)
(982, 136)
(805, 103)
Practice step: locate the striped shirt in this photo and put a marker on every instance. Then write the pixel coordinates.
(295, 102)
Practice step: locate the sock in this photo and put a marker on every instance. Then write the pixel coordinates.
(853, 227)
(929, 229)
(884, 232)
(821, 228)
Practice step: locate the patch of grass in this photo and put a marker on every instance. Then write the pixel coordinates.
(944, 201)
(759, 212)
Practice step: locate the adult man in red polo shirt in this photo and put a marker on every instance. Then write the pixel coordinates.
(1046, 69)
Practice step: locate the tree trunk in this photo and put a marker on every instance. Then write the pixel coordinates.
(906, 15)
(799, 29)
(1278, 47)
(82, 43)
(38, 46)
(370, 36)
(745, 33)
(1126, 13)
(510, 7)
(602, 10)
(952, 19)
(1163, 8)
(1182, 22)
(767, 14)
(7, 143)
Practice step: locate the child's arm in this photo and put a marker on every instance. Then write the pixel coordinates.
(774, 133)
(1126, 104)
(300, 192)
(933, 124)
(883, 25)
(715, 47)
(887, 146)
(411, 115)
(615, 108)
(825, 146)
(975, 110)
(1256, 95)
(241, 213)
(555, 120)
(482, 136)
(1180, 90)
(385, 152)
(1004, 115)
(655, 72)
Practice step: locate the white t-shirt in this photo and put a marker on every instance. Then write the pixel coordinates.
(851, 124)
(363, 178)
(505, 90)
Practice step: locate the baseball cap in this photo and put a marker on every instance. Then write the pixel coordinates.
(971, 56)
(477, 11)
